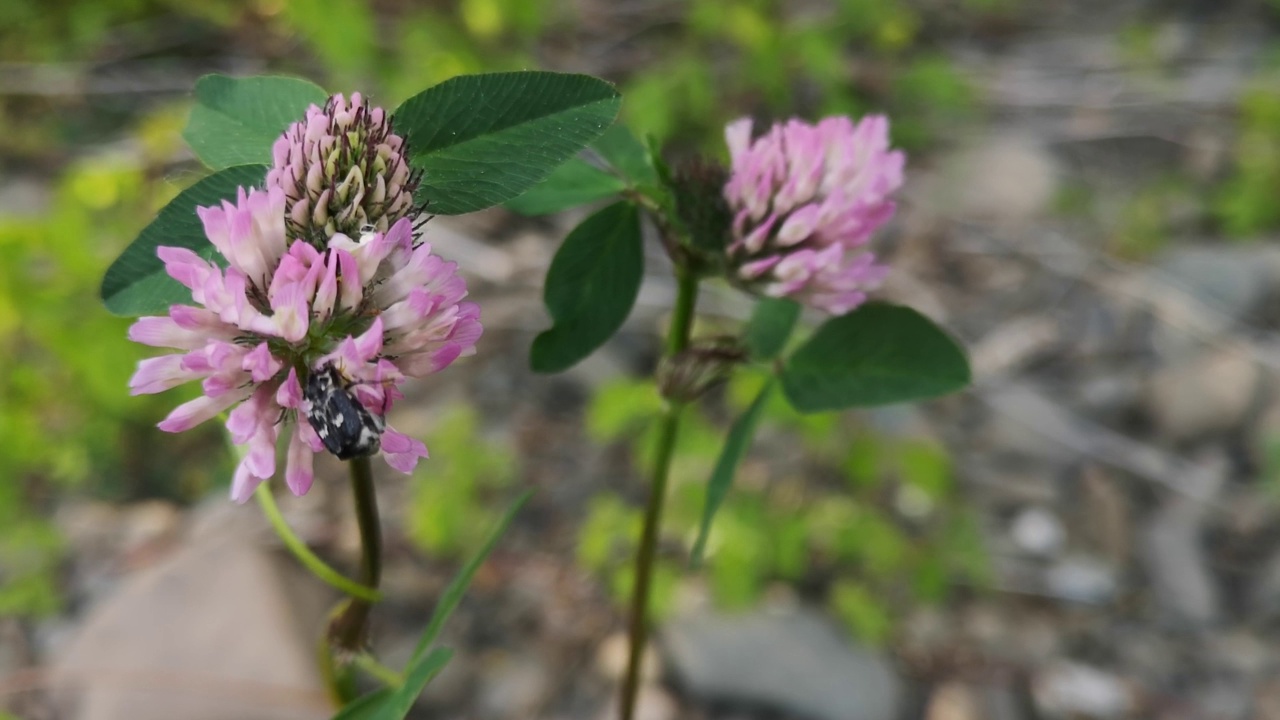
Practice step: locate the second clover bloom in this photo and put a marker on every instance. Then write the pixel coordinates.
(806, 200)
(369, 310)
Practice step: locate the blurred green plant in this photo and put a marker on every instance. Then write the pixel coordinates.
(69, 425)
(718, 58)
(1246, 203)
(875, 524)
(844, 57)
(1151, 216)
(451, 506)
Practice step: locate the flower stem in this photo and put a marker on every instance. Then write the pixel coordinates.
(367, 517)
(677, 340)
(382, 673)
(304, 555)
(348, 629)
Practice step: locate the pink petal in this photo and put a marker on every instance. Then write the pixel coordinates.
(159, 374)
(401, 451)
(164, 332)
(192, 413)
(298, 473)
(261, 364)
(289, 394)
(243, 483)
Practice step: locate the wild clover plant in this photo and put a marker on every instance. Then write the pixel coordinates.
(298, 285)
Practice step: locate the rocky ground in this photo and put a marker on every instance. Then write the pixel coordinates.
(1117, 443)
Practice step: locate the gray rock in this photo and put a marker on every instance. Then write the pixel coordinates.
(24, 198)
(796, 662)
(1004, 179)
(512, 685)
(221, 629)
(1233, 281)
(1038, 531)
(1069, 689)
(1172, 551)
(1205, 395)
(1082, 579)
(1264, 595)
(1123, 158)
(1224, 699)
(652, 703)
(961, 701)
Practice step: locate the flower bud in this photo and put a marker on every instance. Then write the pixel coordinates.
(343, 170)
(688, 374)
(698, 185)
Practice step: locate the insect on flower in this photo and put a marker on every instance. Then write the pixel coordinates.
(327, 301)
(346, 427)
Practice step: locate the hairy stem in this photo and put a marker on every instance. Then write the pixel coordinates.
(677, 340)
(348, 629)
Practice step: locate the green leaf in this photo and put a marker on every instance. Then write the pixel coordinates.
(614, 162)
(136, 283)
(419, 672)
(735, 448)
(395, 703)
(591, 286)
(453, 594)
(875, 355)
(368, 707)
(574, 183)
(626, 154)
(770, 327)
(862, 612)
(236, 120)
(484, 139)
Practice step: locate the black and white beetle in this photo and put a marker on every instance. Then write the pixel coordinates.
(347, 428)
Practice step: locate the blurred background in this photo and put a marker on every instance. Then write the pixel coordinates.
(1091, 531)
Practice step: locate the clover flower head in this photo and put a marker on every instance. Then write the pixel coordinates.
(805, 201)
(371, 310)
(343, 170)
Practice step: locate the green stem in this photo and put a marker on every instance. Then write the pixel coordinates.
(382, 673)
(348, 630)
(304, 555)
(367, 518)
(677, 340)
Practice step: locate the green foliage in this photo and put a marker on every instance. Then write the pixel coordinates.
(894, 534)
(620, 407)
(889, 25)
(235, 121)
(736, 444)
(1149, 218)
(875, 355)
(878, 354)
(615, 162)
(865, 616)
(770, 327)
(592, 283)
(68, 420)
(136, 283)
(1246, 204)
(929, 97)
(394, 703)
(677, 92)
(342, 33)
(30, 550)
(574, 183)
(450, 502)
(481, 140)
(48, 326)
(609, 534)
